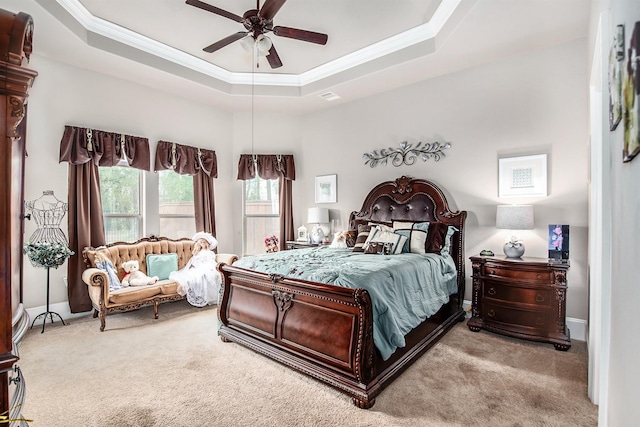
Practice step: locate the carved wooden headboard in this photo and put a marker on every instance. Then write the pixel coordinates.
(415, 200)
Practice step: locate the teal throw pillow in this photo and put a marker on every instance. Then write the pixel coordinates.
(161, 265)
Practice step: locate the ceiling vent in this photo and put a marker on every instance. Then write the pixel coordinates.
(329, 96)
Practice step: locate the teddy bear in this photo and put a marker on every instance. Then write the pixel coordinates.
(135, 277)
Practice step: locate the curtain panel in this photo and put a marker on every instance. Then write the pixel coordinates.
(80, 145)
(203, 166)
(274, 166)
(85, 150)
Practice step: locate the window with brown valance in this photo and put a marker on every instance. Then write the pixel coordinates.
(203, 166)
(268, 166)
(85, 150)
(80, 145)
(274, 166)
(185, 160)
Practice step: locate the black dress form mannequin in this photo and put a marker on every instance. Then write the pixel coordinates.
(47, 211)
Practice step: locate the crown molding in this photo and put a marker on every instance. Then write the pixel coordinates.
(110, 37)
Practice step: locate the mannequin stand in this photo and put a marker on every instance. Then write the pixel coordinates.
(48, 312)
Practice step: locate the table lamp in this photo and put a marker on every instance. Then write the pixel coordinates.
(514, 217)
(318, 217)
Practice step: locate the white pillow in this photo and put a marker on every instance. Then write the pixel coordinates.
(416, 233)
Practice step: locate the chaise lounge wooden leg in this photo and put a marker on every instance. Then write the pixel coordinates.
(102, 316)
(95, 313)
(155, 308)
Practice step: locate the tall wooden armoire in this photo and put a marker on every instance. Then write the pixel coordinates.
(16, 32)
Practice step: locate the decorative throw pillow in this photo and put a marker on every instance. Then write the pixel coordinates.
(363, 235)
(378, 248)
(446, 248)
(161, 265)
(436, 237)
(416, 234)
(380, 236)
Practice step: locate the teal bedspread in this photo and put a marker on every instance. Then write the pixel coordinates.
(405, 289)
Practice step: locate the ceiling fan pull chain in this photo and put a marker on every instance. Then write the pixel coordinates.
(89, 139)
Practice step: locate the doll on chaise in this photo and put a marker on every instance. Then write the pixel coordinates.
(199, 280)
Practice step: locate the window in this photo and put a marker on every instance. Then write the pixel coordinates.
(121, 201)
(176, 208)
(261, 213)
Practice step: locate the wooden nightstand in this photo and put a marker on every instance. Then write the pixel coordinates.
(522, 298)
(291, 244)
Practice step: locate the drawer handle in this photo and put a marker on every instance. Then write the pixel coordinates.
(491, 313)
(492, 272)
(539, 321)
(539, 276)
(491, 291)
(539, 298)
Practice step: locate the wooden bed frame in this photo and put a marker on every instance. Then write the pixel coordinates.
(326, 331)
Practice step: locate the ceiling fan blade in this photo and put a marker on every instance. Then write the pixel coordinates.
(215, 10)
(270, 8)
(225, 41)
(304, 35)
(273, 58)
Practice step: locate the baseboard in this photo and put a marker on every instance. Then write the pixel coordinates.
(577, 327)
(62, 308)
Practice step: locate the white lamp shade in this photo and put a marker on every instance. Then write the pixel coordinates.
(318, 216)
(515, 217)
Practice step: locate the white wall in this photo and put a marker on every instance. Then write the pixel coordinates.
(624, 345)
(531, 103)
(63, 95)
(527, 104)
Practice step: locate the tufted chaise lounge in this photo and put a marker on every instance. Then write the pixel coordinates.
(130, 298)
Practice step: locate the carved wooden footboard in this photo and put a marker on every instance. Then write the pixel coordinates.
(326, 331)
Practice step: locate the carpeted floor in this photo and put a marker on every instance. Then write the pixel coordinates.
(175, 371)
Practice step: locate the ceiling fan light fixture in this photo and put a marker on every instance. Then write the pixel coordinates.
(263, 44)
(247, 42)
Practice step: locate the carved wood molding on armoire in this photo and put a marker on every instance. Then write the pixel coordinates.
(16, 30)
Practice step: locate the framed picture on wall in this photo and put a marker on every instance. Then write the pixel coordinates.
(630, 101)
(326, 189)
(522, 176)
(616, 57)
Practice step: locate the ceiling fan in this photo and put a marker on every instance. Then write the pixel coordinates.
(257, 22)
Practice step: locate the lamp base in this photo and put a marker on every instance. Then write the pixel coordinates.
(317, 234)
(513, 250)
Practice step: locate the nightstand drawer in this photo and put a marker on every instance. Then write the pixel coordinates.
(516, 294)
(538, 319)
(520, 274)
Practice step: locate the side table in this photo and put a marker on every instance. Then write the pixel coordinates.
(520, 297)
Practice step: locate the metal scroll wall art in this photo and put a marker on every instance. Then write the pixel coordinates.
(407, 154)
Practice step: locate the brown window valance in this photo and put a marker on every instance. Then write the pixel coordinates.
(185, 160)
(269, 166)
(80, 145)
